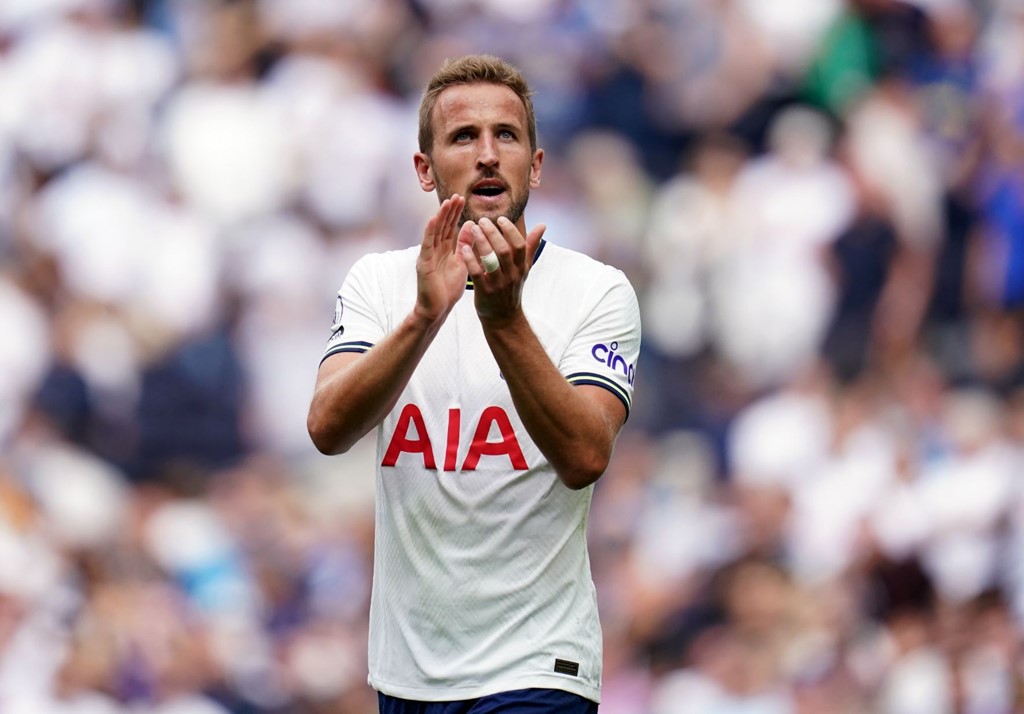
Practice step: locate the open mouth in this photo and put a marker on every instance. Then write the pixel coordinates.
(489, 189)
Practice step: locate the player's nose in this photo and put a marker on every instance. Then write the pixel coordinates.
(488, 152)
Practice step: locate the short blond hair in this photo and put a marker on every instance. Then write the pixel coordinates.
(474, 69)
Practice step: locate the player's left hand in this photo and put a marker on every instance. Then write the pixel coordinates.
(498, 293)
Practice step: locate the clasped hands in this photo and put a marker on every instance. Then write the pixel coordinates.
(495, 254)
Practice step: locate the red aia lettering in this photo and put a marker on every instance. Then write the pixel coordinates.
(451, 450)
(480, 446)
(401, 442)
(508, 444)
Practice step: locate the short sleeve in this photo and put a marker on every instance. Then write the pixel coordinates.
(604, 350)
(358, 321)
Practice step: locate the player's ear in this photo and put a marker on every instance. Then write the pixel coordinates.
(538, 159)
(423, 171)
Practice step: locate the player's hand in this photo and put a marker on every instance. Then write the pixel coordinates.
(498, 293)
(441, 268)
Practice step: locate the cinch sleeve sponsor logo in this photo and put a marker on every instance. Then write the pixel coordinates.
(606, 355)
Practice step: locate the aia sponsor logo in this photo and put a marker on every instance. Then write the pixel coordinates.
(411, 436)
(607, 355)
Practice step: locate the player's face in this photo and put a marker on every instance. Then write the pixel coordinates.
(482, 151)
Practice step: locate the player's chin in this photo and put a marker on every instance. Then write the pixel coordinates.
(492, 215)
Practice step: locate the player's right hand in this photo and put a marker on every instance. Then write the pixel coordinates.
(440, 268)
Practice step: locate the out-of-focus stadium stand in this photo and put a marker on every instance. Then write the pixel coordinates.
(817, 505)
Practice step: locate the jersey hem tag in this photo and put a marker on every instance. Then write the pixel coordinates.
(564, 666)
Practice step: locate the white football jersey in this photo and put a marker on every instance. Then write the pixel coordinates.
(481, 579)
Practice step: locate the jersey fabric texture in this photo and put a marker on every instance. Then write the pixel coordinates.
(481, 580)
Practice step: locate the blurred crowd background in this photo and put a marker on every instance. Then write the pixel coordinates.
(815, 506)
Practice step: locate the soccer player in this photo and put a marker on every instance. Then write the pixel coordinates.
(497, 369)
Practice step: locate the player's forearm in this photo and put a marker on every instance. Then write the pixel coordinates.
(574, 436)
(350, 401)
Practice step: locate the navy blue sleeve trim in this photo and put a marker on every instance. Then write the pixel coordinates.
(358, 347)
(598, 380)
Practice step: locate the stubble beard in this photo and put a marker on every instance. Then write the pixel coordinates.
(515, 209)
